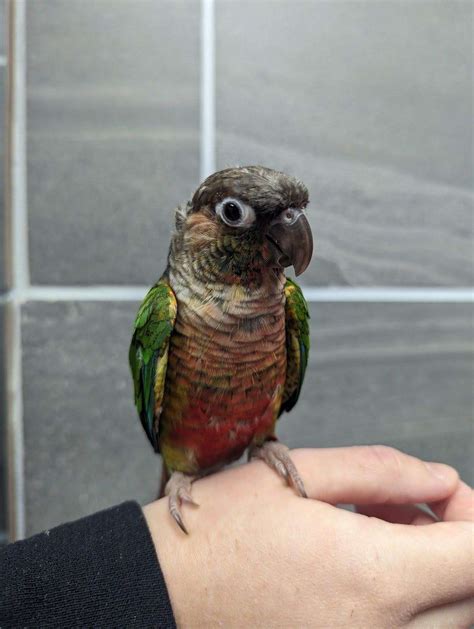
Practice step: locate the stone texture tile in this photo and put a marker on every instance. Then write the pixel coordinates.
(379, 82)
(106, 211)
(3, 468)
(370, 104)
(3, 284)
(394, 374)
(397, 374)
(373, 226)
(85, 446)
(3, 27)
(3, 247)
(112, 135)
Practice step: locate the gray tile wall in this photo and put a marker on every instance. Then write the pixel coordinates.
(369, 103)
(3, 280)
(384, 83)
(3, 18)
(379, 373)
(113, 137)
(86, 447)
(3, 81)
(3, 446)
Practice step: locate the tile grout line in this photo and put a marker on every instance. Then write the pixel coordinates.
(21, 271)
(395, 294)
(381, 294)
(19, 265)
(207, 90)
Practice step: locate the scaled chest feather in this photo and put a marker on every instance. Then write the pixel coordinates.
(225, 377)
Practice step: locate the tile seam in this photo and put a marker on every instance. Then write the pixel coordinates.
(207, 90)
(107, 293)
(19, 219)
(20, 271)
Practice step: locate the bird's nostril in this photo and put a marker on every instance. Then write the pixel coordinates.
(290, 216)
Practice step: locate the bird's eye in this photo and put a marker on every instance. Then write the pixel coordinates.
(235, 213)
(232, 212)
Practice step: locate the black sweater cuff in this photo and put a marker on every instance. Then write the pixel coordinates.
(100, 571)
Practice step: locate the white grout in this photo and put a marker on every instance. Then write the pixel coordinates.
(20, 273)
(207, 89)
(19, 212)
(86, 293)
(384, 294)
(313, 294)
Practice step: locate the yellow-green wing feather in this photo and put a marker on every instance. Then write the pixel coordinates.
(148, 355)
(297, 344)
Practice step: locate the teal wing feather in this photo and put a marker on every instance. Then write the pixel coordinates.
(297, 344)
(148, 355)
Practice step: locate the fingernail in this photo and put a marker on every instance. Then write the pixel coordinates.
(440, 470)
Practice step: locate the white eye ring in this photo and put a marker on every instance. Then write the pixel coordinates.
(235, 213)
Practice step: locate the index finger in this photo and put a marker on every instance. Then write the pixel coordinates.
(372, 475)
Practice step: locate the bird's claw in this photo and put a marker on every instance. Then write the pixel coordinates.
(178, 490)
(277, 456)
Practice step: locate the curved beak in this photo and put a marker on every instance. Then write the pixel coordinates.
(291, 240)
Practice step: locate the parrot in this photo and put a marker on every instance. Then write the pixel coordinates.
(220, 343)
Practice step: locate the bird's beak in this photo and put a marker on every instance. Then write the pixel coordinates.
(291, 240)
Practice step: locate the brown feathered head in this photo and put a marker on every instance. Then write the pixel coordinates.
(249, 217)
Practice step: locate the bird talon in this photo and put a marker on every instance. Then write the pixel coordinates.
(176, 515)
(186, 497)
(277, 456)
(281, 469)
(178, 490)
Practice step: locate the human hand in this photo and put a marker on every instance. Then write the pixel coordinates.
(260, 556)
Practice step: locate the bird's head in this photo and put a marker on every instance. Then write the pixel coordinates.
(242, 221)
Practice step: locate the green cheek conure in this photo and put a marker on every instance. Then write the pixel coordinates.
(220, 343)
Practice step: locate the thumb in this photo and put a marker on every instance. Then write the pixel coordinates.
(439, 563)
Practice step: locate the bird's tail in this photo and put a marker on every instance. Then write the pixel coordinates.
(164, 479)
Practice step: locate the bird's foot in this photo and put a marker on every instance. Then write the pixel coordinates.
(178, 490)
(277, 456)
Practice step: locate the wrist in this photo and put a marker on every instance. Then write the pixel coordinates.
(179, 563)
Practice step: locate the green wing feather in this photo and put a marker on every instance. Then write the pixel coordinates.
(148, 355)
(297, 344)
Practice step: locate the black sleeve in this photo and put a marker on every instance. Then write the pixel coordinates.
(101, 571)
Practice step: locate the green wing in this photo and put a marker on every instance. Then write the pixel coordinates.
(148, 354)
(297, 344)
